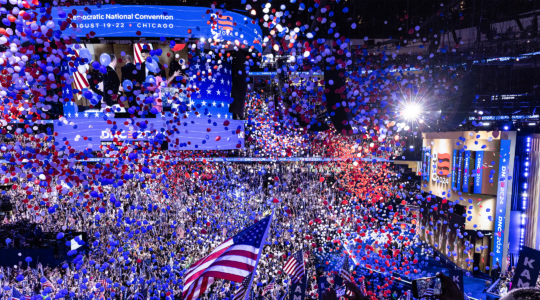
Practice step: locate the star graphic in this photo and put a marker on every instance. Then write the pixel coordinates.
(69, 115)
(214, 103)
(198, 115)
(209, 92)
(76, 114)
(96, 114)
(86, 115)
(203, 103)
(213, 80)
(219, 116)
(218, 92)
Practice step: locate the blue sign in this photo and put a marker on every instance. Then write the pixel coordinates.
(479, 162)
(454, 170)
(460, 161)
(164, 21)
(466, 166)
(427, 164)
(500, 208)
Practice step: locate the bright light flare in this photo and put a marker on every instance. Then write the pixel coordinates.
(411, 111)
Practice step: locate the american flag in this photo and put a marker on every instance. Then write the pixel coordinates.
(294, 266)
(27, 297)
(15, 294)
(80, 80)
(103, 282)
(429, 292)
(242, 290)
(233, 260)
(270, 286)
(137, 48)
(345, 270)
(363, 288)
(47, 283)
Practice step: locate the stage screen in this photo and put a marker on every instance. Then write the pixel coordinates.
(187, 134)
(147, 21)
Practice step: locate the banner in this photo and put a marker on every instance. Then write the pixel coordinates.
(426, 159)
(298, 290)
(454, 158)
(457, 277)
(527, 268)
(479, 162)
(137, 21)
(460, 160)
(322, 284)
(500, 208)
(466, 166)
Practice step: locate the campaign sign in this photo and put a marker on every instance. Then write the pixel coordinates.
(322, 284)
(527, 268)
(500, 207)
(161, 21)
(298, 290)
(457, 277)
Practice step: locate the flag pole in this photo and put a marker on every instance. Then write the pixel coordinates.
(261, 248)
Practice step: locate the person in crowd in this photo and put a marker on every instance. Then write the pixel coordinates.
(144, 71)
(129, 72)
(177, 71)
(111, 83)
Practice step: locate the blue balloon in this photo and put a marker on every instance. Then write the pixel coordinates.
(127, 85)
(60, 236)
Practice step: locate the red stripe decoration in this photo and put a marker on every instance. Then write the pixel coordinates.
(137, 48)
(80, 77)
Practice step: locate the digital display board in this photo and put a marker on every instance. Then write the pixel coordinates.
(146, 21)
(466, 167)
(192, 133)
(479, 162)
(500, 211)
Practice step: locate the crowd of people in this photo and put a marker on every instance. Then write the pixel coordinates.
(145, 230)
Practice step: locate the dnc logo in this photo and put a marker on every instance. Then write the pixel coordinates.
(443, 164)
(222, 25)
(225, 22)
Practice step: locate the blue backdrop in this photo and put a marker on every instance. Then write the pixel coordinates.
(167, 21)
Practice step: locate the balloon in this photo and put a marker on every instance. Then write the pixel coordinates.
(152, 66)
(60, 236)
(104, 59)
(150, 79)
(82, 69)
(85, 53)
(128, 85)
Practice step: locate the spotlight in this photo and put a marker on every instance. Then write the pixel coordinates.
(411, 111)
(505, 127)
